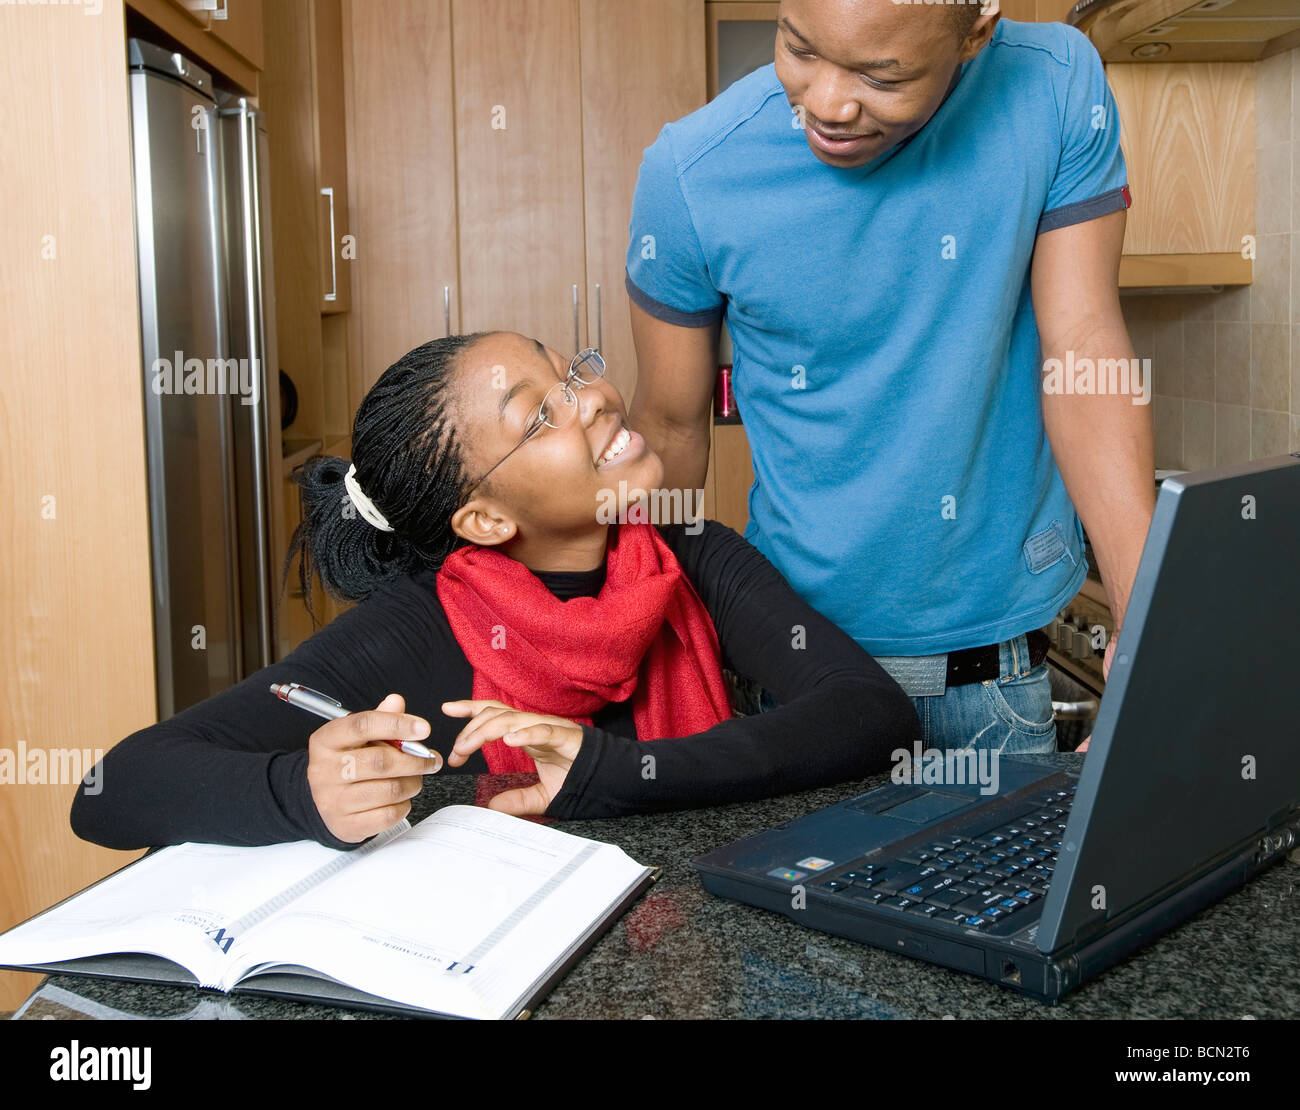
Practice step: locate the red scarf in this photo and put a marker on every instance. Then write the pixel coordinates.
(646, 636)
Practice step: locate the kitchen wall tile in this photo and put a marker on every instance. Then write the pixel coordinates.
(1295, 97)
(1270, 294)
(1141, 332)
(1231, 434)
(1269, 432)
(1270, 366)
(1167, 413)
(1295, 181)
(1232, 363)
(1233, 303)
(1167, 306)
(1295, 282)
(1295, 368)
(1167, 357)
(1273, 188)
(1198, 434)
(1195, 306)
(1198, 360)
(1273, 99)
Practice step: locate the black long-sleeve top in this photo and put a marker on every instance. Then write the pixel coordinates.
(233, 769)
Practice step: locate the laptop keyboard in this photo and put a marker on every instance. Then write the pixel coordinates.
(974, 880)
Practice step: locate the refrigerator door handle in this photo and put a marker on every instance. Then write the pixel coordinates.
(254, 202)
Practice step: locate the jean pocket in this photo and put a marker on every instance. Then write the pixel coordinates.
(1024, 706)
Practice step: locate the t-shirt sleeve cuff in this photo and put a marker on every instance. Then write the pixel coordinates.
(1090, 209)
(667, 313)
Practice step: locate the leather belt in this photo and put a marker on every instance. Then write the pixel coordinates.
(979, 664)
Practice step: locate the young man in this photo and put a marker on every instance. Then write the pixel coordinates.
(903, 220)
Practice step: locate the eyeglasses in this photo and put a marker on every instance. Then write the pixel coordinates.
(560, 404)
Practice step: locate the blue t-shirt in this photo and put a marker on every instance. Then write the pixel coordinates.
(886, 360)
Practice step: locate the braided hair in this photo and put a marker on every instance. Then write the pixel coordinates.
(408, 462)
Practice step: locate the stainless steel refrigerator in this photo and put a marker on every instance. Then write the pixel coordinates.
(207, 329)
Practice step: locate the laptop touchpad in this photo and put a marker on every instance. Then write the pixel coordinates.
(928, 807)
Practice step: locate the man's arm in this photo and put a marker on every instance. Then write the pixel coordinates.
(673, 404)
(1103, 443)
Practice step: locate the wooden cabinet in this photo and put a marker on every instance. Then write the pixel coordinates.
(303, 97)
(330, 114)
(237, 23)
(405, 280)
(77, 637)
(511, 210)
(643, 65)
(519, 178)
(223, 36)
(1188, 133)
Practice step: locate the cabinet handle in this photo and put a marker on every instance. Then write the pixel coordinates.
(333, 294)
(577, 343)
(446, 310)
(600, 330)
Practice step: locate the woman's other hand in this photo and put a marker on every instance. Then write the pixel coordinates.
(553, 743)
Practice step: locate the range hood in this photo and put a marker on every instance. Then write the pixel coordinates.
(1188, 30)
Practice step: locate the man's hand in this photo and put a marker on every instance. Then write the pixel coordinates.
(1105, 674)
(553, 742)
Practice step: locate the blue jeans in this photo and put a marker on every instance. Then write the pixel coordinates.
(1011, 714)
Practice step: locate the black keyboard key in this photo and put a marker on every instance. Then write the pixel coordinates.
(866, 894)
(950, 896)
(914, 859)
(895, 882)
(924, 909)
(979, 902)
(895, 903)
(835, 885)
(921, 892)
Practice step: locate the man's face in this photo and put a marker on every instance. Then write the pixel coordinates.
(867, 73)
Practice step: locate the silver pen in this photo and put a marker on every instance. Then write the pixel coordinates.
(324, 706)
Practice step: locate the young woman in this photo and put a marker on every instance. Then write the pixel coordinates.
(504, 621)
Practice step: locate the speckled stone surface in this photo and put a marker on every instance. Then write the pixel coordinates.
(682, 953)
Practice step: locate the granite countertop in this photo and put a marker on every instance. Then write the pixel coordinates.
(682, 953)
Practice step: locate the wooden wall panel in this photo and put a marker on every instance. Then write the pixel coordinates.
(77, 634)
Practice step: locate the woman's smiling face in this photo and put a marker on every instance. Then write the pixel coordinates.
(552, 487)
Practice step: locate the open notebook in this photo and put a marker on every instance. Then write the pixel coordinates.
(470, 913)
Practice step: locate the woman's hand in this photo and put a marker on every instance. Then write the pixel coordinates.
(362, 786)
(553, 742)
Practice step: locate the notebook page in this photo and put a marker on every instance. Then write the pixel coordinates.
(176, 903)
(468, 895)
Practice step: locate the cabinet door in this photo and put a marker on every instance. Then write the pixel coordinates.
(401, 150)
(733, 475)
(642, 67)
(519, 168)
(1188, 134)
(331, 153)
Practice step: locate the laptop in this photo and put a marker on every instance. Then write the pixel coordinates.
(1190, 788)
